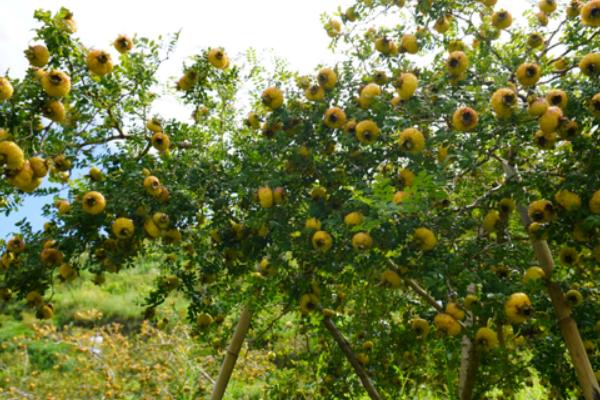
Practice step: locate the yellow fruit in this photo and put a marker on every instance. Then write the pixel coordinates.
(590, 13)
(535, 40)
(353, 218)
(442, 24)
(334, 118)
(529, 74)
(161, 141)
(56, 83)
(63, 206)
(327, 78)
(99, 62)
(594, 202)
(425, 239)
(369, 92)
(6, 89)
(272, 97)
(501, 19)
(218, 59)
(21, 178)
(322, 241)
(391, 278)
(123, 44)
(11, 155)
(557, 98)
(34, 298)
(252, 120)
(51, 257)
(367, 132)
(55, 111)
(362, 358)
(590, 64)
(315, 93)
(486, 338)
(154, 125)
(455, 311)
(96, 174)
(386, 46)
(123, 228)
(161, 220)
(518, 308)
(407, 85)
(550, 120)
(573, 9)
(151, 229)
(568, 200)
(595, 105)
(333, 28)
(409, 44)
(465, 119)
(362, 241)
(411, 140)
(67, 272)
(537, 107)
(568, 256)
(44, 312)
(265, 197)
(278, 195)
(399, 197)
(313, 223)
(503, 102)
(204, 320)
(37, 55)
(533, 274)
(491, 221)
(187, 81)
(406, 177)
(457, 63)
(420, 327)
(470, 301)
(39, 166)
(547, 6)
(447, 324)
(574, 297)
(541, 211)
(15, 245)
(350, 14)
(308, 302)
(152, 185)
(93, 203)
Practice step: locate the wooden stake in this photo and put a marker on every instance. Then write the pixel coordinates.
(345, 346)
(232, 354)
(469, 361)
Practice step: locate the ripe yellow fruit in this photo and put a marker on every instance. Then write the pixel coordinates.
(406, 177)
(457, 63)
(11, 155)
(367, 132)
(313, 223)
(369, 92)
(67, 272)
(486, 338)
(491, 221)
(590, 13)
(252, 120)
(123, 228)
(568, 256)
(557, 98)
(45, 311)
(529, 74)
(333, 28)
(308, 303)
(6, 89)
(99, 62)
(547, 6)
(265, 197)
(55, 110)
(573, 9)
(37, 55)
(503, 102)
(594, 203)
(187, 81)
(386, 46)
(442, 24)
(399, 197)
(506, 206)
(334, 118)
(93, 203)
(152, 185)
(407, 84)
(533, 274)
(518, 308)
(327, 78)
(63, 206)
(391, 278)
(362, 241)
(541, 211)
(354, 218)
(425, 239)
(15, 245)
(56, 83)
(322, 241)
(161, 141)
(590, 64)
(204, 320)
(465, 119)
(151, 229)
(123, 44)
(154, 124)
(454, 310)
(161, 220)
(411, 140)
(218, 59)
(447, 324)
(21, 178)
(272, 97)
(51, 257)
(409, 44)
(39, 167)
(574, 297)
(595, 105)
(550, 120)
(96, 174)
(537, 107)
(420, 327)
(279, 195)
(470, 300)
(501, 19)
(568, 200)
(315, 93)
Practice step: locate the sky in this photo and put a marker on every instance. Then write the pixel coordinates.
(290, 28)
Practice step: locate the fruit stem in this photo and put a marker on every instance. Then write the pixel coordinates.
(241, 330)
(347, 350)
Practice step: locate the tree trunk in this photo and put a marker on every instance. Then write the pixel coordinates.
(469, 362)
(567, 325)
(232, 354)
(345, 346)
